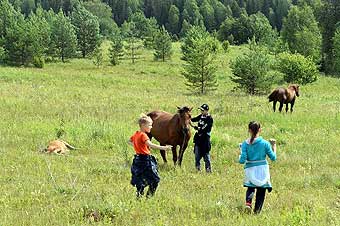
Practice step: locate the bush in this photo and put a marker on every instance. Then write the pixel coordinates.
(250, 71)
(38, 62)
(297, 69)
(225, 45)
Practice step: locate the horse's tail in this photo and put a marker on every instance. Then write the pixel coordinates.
(272, 96)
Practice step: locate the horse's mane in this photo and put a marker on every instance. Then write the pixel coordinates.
(183, 109)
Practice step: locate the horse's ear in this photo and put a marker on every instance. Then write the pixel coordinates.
(178, 108)
(190, 109)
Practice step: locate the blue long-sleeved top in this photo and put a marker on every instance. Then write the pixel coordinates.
(255, 154)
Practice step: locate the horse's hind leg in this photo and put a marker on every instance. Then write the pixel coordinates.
(281, 106)
(274, 105)
(286, 107)
(174, 155)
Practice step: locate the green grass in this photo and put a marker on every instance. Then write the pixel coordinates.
(96, 110)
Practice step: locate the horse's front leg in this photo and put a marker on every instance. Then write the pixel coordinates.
(286, 107)
(163, 154)
(174, 154)
(292, 105)
(181, 153)
(281, 106)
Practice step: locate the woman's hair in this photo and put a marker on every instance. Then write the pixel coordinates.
(143, 119)
(254, 127)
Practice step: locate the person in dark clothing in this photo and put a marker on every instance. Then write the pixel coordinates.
(202, 138)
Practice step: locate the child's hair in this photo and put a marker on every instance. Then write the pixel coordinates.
(143, 119)
(254, 128)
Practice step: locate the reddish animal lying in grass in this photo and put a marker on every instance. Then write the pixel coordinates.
(58, 147)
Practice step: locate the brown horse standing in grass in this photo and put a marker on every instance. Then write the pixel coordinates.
(284, 96)
(169, 129)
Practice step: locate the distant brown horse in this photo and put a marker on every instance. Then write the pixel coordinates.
(169, 129)
(284, 96)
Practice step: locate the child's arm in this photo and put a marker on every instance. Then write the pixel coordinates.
(243, 155)
(155, 146)
(130, 142)
(271, 150)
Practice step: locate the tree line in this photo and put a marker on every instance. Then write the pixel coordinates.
(310, 22)
(295, 53)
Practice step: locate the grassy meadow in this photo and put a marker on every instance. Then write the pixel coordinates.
(95, 109)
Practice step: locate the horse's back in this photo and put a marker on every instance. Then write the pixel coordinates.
(279, 94)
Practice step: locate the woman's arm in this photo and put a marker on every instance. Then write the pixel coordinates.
(159, 147)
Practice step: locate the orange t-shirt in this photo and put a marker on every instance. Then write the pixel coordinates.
(139, 143)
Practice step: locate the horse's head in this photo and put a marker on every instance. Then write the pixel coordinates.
(185, 117)
(296, 89)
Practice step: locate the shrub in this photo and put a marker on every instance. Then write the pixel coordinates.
(38, 62)
(225, 45)
(296, 68)
(250, 71)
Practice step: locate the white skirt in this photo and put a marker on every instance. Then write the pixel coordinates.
(257, 175)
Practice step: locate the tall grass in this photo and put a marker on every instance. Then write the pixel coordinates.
(95, 109)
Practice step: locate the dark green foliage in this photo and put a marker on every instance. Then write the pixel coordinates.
(87, 30)
(162, 45)
(301, 32)
(297, 69)
(63, 37)
(250, 71)
(336, 52)
(199, 52)
(244, 28)
(26, 41)
(104, 14)
(329, 15)
(173, 20)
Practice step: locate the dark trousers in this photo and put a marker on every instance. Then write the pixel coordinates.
(260, 195)
(151, 191)
(199, 154)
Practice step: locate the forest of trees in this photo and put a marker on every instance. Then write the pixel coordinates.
(32, 31)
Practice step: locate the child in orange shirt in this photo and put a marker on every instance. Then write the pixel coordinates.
(144, 168)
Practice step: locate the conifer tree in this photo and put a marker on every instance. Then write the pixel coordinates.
(162, 45)
(200, 66)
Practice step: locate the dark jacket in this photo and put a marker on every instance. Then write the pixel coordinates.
(205, 123)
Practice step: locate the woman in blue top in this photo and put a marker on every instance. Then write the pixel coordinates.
(253, 154)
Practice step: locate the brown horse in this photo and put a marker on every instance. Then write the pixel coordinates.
(284, 96)
(169, 129)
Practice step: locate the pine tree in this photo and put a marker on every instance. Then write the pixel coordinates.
(97, 56)
(200, 66)
(116, 50)
(207, 11)
(133, 43)
(64, 38)
(173, 20)
(162, 45)
(87, 29)
(250, 70)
